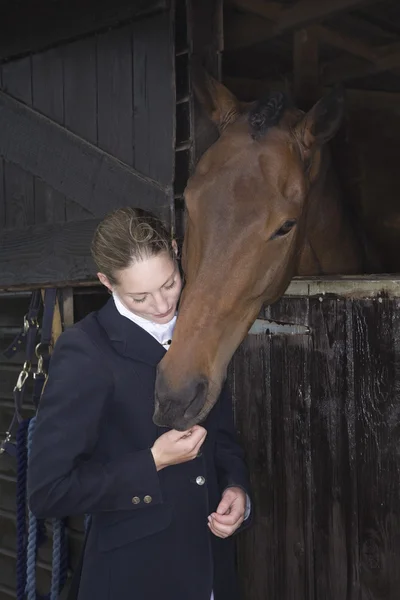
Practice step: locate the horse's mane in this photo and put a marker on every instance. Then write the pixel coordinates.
(266, 113)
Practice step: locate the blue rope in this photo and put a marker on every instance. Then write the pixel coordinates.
(32, 535)
(36, 535)
(22, 461)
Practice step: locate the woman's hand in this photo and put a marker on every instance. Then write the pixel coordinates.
(230, 513)
(175, 447)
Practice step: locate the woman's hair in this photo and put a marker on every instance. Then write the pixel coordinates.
(125, 236)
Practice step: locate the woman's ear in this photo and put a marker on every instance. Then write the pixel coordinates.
(105, 281)
(175, 247)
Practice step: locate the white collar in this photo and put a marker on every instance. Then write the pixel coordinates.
(161, 332)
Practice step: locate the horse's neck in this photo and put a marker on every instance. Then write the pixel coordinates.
(331, 245)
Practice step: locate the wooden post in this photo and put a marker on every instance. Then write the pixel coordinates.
(205, 32)
(306, 68)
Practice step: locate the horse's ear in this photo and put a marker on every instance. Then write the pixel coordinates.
(322, 122)
(220, 104)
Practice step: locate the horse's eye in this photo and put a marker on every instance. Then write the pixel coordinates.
(285, 229)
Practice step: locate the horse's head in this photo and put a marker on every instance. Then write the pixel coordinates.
(246, 206)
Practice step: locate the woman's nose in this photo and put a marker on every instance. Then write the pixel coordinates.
(161, 304)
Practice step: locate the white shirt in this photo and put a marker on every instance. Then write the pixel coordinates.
(163, 334)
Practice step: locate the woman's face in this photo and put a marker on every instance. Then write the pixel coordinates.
(149, 288)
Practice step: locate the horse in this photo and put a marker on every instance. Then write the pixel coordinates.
(263, 205)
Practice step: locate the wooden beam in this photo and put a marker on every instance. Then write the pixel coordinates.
(244, 30)
(306, 12)
(251, 89)
(44, 254)
(32, 26)
(305, 68)
(345, 69)
(72, 166)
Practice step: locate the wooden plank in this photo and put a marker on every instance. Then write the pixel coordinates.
(306, 12)
(80, 91)
(49, 23)
(2, 196)
(47, 84)
(306, 68)
(269, 379)
(256, 547)
(19, 200)
(19, 194)
(348, 69)
(293, 499)
(114, 93)
(48, 98)
(72, 166)
(17, 79)
(376, 370)
(80, 102)
(154, 113)
(248, 29)
(58, 254)
(205, 27)
(332, 468)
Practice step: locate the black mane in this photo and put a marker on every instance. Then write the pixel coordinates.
(266, 113)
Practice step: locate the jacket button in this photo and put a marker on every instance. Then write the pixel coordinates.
(148, 499)
(135, 500)
(200, 480)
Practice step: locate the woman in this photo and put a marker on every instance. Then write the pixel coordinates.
(164, 504)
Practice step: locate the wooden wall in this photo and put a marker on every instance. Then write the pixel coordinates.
(318, 415)
(87, 126)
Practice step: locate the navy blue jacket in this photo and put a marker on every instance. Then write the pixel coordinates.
(91, 454)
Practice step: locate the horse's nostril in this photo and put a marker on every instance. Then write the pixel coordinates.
(198, 401)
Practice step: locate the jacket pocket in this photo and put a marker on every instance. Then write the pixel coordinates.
(137, 525)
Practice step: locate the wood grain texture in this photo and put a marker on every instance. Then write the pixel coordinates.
(48, 98)
(114, 93)
(378, 467)
(80, 88)
(72, 166)
(47, 253)
(330, 448)
(48, 23)
(154, 111)
(318, 416)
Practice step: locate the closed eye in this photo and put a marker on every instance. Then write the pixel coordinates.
(284, 229)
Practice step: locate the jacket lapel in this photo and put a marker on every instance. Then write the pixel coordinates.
(128, 338)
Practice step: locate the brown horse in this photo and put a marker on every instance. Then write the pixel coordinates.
(262, 206)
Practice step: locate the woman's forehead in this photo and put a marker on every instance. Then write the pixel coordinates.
(147, 275)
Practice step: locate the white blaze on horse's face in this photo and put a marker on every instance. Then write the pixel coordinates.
(246, 207)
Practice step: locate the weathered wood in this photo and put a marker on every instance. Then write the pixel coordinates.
(114, 94)
(17, 79)
(347, 69)
(306, 12)
(244, 30)
(48, 98)
(19, 194)
(19, 200)
(2, 196)
(47, 253)
(43, 26)
(378, 470)
(80, 88)
(72, 166)
(273, 415)
(154, 112)
(305, 68)
(333, 469)
(206, 44)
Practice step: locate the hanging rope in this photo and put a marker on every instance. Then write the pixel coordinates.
(22, 463)
(30, 538)
(59, 562)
